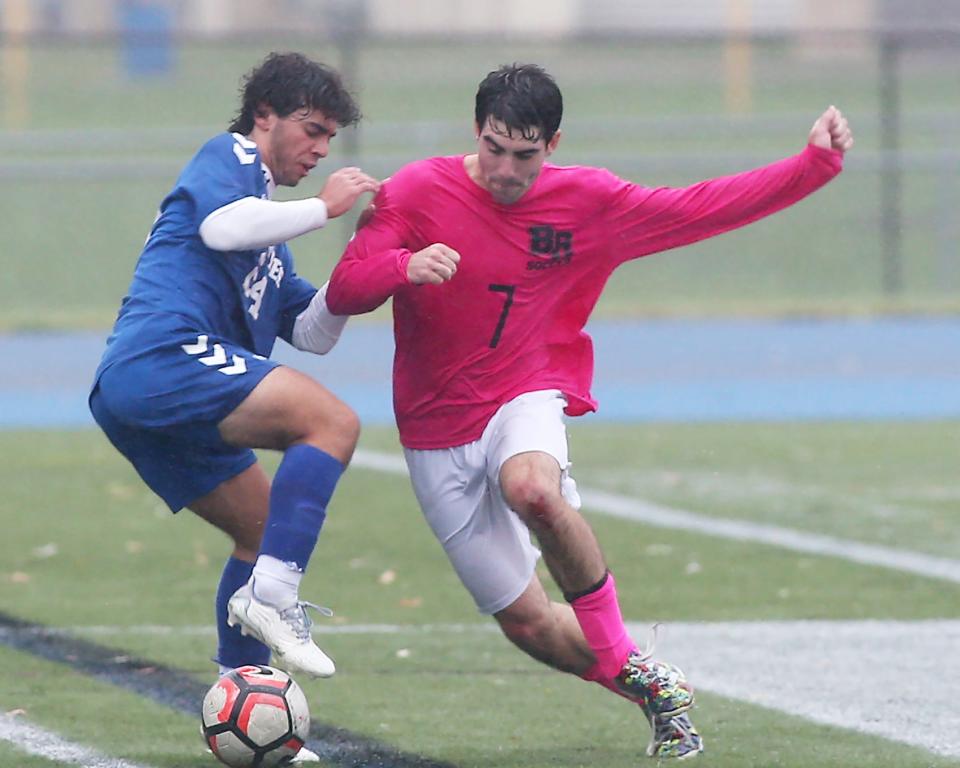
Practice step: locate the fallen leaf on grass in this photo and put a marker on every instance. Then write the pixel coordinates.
(387, 577)
(120, 491)
(658, 550)
(45, 551)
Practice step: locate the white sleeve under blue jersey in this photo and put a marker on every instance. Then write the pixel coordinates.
(248, 297)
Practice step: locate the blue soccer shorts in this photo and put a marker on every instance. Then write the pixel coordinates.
(161, 410)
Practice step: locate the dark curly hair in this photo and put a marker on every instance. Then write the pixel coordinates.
(524, 97)
(288, 82)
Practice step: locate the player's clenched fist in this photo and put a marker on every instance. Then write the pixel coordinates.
(342, 189)
(435, 264)
(831, 131)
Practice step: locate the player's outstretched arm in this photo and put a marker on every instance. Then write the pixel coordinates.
(831, 131)
(652, 220)
(344, 187)
(433, 265)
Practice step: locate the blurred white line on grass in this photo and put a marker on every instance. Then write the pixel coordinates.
(43, 743)
(661, 516)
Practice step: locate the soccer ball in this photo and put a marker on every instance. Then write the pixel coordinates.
(255, 717)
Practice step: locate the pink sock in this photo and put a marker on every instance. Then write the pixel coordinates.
(599, 617)
(612, 686)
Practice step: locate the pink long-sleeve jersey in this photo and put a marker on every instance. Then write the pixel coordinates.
(511, 320)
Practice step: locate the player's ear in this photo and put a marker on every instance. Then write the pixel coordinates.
(476, 130)
(264, 116)
(552, 144)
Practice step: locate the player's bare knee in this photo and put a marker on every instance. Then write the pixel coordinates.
(348, 425)
(342, 426)
(531, 496)
(335, 430)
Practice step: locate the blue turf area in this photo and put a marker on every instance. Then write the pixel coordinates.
(656, 370)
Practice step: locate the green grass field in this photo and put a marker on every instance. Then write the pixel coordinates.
(88, 549)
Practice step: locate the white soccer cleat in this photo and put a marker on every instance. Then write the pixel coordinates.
(305, 756)
(286, 632)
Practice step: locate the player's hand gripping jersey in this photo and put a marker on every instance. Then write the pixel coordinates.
(511, 320)
(181, 286)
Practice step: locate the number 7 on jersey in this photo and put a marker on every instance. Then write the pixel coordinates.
(507, 303)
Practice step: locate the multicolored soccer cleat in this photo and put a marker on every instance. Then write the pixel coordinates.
(659, 687)
(673, 737)
(664, 695)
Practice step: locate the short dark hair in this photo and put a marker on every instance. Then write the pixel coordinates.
(288, 82)
(524, 97)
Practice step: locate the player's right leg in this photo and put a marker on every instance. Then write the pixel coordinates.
(549, 632)
(528, 445)
(182, 458)
(491, 551)
(527, 464)
(238, 507)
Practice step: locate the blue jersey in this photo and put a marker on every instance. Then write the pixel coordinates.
(180, 285)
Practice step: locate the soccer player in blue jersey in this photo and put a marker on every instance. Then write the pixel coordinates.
(185, 388)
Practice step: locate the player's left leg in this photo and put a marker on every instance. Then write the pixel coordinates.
(188, 426)
(291, 412)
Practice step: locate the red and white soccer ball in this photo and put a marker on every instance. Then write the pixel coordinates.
(255, 717)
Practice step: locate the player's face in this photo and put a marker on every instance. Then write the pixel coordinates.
(507, 163)
(295, 143)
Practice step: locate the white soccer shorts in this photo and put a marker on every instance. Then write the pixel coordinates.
(459, 493)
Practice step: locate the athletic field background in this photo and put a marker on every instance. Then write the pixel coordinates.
(806, 577)
(806, 573)
(86, 165)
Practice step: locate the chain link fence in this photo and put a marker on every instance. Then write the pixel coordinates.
(97, 123)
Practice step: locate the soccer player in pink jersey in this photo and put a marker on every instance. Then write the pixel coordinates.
(494, 261)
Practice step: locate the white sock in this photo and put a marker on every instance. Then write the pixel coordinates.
(276, 582)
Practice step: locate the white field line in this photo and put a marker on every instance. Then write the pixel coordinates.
(209, 630)
(43, 743)
(896, 679)
(899, 680)
(661, 516)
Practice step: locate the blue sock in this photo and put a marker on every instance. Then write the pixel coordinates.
(234, 649)
(299, 495)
